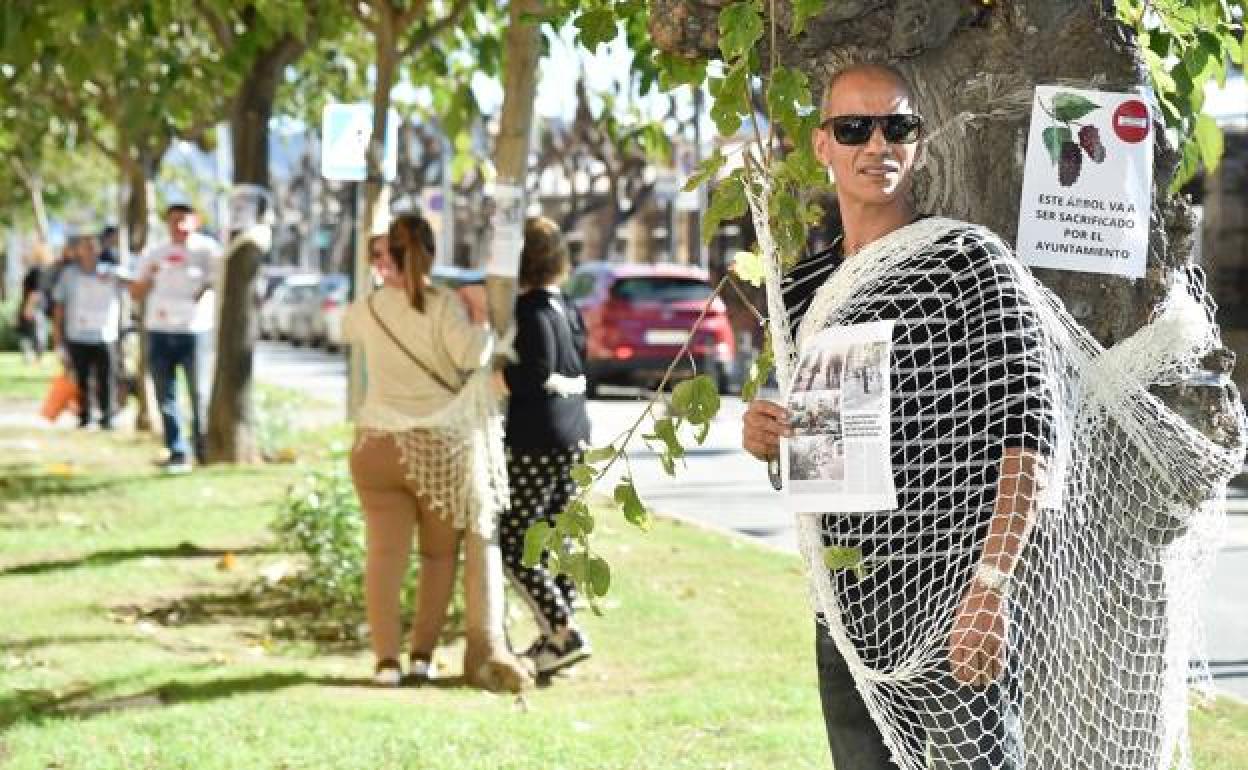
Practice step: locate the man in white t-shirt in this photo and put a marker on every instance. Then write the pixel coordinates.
(87, 320)
(176, 279)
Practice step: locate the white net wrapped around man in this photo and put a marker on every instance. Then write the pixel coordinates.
(1123, 496)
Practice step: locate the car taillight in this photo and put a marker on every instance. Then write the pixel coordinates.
(624, 352)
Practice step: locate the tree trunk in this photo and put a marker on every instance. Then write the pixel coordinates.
(973, 68)
(483, 564)
(138, 179)
(511, 158)
(231, 434)
(386, 58)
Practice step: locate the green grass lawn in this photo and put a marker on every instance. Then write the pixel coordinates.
(124, 644)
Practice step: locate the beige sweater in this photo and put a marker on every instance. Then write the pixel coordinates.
(443, 337)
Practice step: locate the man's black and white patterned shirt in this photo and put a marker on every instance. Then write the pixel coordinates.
(968, 378)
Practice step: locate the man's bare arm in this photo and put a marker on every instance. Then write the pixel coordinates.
(1019, 486)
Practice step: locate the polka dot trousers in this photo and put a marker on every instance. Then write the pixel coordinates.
(540, 487)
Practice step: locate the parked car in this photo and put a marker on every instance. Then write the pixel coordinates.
(639, 316)
(454, 277)
(307, 314)
(335, 296)
(277, 314)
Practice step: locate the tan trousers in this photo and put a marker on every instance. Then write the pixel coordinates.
(393, 509)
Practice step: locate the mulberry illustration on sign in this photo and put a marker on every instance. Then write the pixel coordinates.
(1092, 214)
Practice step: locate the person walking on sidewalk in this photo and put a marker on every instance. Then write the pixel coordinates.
(176, 280)
(547, 428)
(31, 322)
(86, 322)
(428, 454)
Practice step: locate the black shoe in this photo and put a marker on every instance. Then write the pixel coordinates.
(176, 465)
(552, 657)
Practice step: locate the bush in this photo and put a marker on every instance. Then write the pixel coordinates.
(275, 422)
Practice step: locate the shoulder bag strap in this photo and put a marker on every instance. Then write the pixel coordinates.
(425, 368)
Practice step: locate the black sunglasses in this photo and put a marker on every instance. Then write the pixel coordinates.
(857, 129)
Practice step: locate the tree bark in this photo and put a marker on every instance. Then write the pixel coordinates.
(139, 173)
(231, 434)
(386, 58)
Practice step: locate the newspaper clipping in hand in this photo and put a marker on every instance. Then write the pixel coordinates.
(838, 459)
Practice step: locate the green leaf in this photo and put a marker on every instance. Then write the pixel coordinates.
(1054, 137)
(748, 266)
(804, 10)
(595, 28)
(535, 541)
(676, 71)
(634, 512)
(656, 143)
(788, 90)
(740, 27)
(665, 431)
(582, 517)
(601, 454)
(727, 202)
(696, 399)
(1068, 106)
(840, 557)
(701, 432)
(760, 370)
(1189, 164)
(706, 171)
(1209, 141)
(729, 95)
(1232, 46)
(583, 475)
(599, 576)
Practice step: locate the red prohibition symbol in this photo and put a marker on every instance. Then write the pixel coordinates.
(1131, 121)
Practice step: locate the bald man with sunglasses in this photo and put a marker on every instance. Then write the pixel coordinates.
(870, 139)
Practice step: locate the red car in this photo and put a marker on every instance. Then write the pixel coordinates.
(639, 316)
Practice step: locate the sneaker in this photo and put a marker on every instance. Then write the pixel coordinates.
(176, 465)
(552, 657)
(420, 671)
(387, 673)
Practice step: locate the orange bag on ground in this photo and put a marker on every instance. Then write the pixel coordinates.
(62, 394)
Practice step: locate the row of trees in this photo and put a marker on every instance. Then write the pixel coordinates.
(95, 93)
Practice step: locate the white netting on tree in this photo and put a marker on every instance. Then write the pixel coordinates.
(1124, 496)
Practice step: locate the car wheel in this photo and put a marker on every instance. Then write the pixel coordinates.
(724, 380)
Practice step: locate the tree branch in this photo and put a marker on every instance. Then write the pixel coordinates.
(217, 23)
(422, 38)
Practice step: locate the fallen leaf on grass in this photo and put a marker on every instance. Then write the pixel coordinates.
(227, 562)
(59, 469)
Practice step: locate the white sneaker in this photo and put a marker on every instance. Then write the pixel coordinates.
(419, 671)
(388, 674)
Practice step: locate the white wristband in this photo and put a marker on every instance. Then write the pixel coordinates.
(991, 578)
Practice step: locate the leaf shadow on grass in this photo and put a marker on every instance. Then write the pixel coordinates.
(106, 558)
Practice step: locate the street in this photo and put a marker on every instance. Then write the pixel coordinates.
(723, 487)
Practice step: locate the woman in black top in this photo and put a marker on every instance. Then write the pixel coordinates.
(30, 318)
(547, 428)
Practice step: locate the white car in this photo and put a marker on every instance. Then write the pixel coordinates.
(277, 315)
(335, 292)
